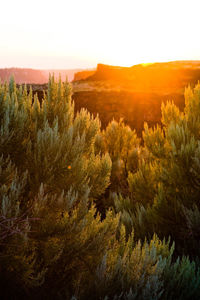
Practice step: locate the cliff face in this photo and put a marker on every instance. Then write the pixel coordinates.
(134, 107)
(106, 72)
(83, 74)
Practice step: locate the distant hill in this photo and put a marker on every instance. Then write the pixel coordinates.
(23, 75)
(33, 76)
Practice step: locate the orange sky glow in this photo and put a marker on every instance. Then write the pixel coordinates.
(66, 34)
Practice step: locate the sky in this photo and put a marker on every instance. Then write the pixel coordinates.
(62, 34)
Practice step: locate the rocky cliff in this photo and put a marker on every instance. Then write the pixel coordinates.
(82, 75)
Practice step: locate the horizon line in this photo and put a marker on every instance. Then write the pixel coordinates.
(92, 68)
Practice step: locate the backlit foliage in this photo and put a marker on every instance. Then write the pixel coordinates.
(165, 189)
(55, 166)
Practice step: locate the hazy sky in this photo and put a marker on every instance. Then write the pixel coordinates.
(81, 33)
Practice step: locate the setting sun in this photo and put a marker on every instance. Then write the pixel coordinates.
(71, 34)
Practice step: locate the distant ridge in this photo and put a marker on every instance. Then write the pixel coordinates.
(175, 74)
(33, 76)
(23, 75)
(159, 74)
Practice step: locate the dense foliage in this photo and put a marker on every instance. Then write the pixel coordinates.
(88, 214)
(169, 204)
